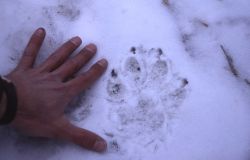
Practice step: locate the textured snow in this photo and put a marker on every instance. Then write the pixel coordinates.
(178, 83)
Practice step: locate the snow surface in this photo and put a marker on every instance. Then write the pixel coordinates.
(178, 83)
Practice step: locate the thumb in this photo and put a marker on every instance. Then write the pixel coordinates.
(82, 137)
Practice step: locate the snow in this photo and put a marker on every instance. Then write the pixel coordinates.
(176, 95)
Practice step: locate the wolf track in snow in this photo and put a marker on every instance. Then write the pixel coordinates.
(144, 94)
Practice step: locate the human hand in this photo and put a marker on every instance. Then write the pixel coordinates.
(43, 92)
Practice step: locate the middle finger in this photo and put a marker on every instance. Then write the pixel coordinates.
(74, 64)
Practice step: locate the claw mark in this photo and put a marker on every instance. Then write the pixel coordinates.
(184, 82)
(133, 50)
(114, 73)
(160, 52)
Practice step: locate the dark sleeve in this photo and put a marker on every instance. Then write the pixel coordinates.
(1, 90)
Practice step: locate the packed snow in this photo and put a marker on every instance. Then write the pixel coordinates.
(177, 86)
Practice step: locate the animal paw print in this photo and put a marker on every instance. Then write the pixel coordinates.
(115, 88)
(145, 95)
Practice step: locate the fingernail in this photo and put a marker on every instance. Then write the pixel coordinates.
(103, 63)
(76, 40)
(100, 146)
(91, 47)
(40, 32)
